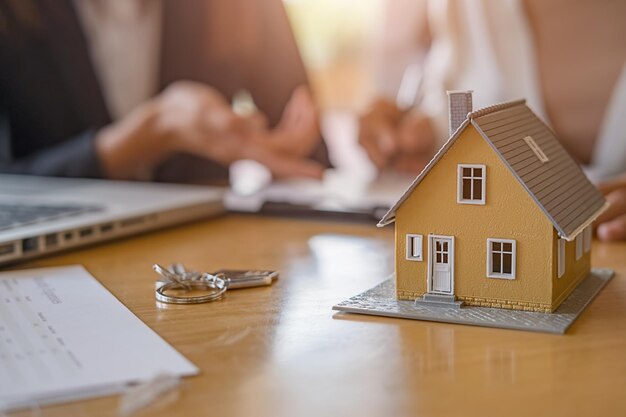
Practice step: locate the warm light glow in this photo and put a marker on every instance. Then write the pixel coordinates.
(335, 39)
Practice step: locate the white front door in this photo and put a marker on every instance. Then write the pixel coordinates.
(441, 263)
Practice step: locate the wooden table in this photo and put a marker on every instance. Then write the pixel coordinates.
(281, 351)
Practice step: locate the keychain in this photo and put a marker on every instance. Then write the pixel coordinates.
(178, 278)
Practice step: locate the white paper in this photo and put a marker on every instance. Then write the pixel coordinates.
(63, 336)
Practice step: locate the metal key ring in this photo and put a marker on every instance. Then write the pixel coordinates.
(219, 284)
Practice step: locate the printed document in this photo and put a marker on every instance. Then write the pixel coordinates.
(63, 336)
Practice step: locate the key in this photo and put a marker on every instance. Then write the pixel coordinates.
(238, 279)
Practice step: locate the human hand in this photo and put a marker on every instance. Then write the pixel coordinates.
(377, 132)
(297, 133)
(192, 118)
(611, 225)
(416, 140)
(404, 141)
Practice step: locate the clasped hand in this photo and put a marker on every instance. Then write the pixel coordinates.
(193, 118)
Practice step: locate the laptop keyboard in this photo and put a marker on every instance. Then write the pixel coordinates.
(16, 215)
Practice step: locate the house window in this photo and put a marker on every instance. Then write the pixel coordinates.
(561, 260)
(414, 247)
(471, 184)
(579, 246)
(501, 258)
(536, 149)
(587, 239)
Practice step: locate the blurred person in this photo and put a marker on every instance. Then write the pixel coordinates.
(141, 90)
(566, 58)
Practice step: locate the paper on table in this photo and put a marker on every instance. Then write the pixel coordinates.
(63, 336)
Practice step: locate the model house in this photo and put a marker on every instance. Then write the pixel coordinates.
(499, 218)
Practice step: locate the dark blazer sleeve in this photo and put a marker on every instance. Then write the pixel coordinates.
(74, 157)
(51, 104)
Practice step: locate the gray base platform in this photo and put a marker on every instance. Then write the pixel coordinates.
(381, 301)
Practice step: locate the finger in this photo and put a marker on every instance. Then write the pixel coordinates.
(257, 121)
(301, 115)
(285, 166)
(387, 140)
(224, 122)
(380, 136)
(186, 90)
(298, 105)
(301, 121)
(613, 230)
(415, 135)
(220, 148)
(298, 131)
(385, 109)
(606, 187)
(617, 205)
(367, 140)
(300, 142)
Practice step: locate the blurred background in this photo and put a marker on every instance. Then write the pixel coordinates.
(342, 41)
(336, 38)
(348, 50)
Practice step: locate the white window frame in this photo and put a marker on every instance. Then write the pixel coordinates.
(536, 149)
(491, 274)
(561, 258)
(459, 186)
(579, 246)
(587, 239)
(414, 241)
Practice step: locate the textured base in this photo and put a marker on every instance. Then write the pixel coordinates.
(381, 301)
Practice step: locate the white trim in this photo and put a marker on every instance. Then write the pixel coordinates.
(459, 183)
(536, 149)
(413, 241)
(561, 258)
(587, 239)
(579, 246)
(491, 274)
(430, 264)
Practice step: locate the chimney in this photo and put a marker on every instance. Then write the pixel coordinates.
(459, 104)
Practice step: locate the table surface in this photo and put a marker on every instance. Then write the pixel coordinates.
(282, 351)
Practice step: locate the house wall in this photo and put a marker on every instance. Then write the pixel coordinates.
(509, 213)
(575, 270)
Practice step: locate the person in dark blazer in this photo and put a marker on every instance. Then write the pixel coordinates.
(73, 102)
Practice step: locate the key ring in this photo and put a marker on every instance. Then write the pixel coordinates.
(219, 284)
(176, 277)
(180, 279)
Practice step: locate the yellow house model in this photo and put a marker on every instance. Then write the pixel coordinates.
(499, 218)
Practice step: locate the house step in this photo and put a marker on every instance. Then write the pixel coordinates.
(439, 300)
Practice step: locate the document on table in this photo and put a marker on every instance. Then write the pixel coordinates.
(63, 336)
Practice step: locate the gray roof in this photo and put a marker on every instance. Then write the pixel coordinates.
(558, 186)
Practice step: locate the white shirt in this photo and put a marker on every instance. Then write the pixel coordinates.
(124, 40)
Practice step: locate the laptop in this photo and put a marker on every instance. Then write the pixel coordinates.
(43, 215)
